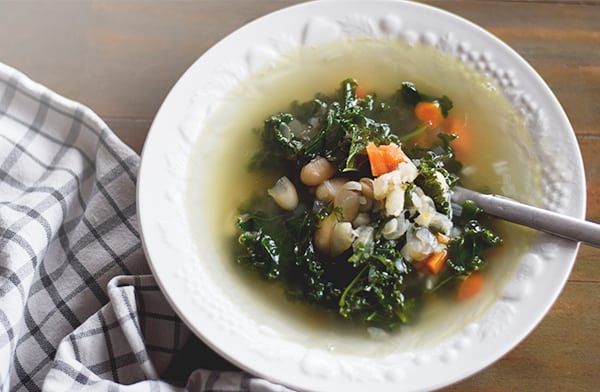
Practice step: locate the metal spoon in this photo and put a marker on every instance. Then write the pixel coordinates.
(544, 220)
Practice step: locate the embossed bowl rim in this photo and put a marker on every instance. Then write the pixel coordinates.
(160, 189)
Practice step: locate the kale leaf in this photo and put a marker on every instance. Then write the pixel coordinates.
(348, 130)
(466, 251)
(413, 96)
(438, 171)
(341, 131)
(375, 296)
(370, 283)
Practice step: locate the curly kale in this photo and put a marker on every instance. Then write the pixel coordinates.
(342, 129)
(370, 283)
(437, 171)
(366, 287)
(375, 296)
(413, 96)
(466, 251)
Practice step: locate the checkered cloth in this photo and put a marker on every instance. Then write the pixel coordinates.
(78, 306)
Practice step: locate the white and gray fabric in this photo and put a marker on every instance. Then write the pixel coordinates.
(79, 309)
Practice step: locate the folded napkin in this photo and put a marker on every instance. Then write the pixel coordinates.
(78, 306)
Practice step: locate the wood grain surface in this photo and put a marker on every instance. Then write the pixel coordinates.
(120, 58)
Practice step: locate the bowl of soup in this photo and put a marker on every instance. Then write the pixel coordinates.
(295, 196)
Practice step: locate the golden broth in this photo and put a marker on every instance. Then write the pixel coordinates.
(498, 161)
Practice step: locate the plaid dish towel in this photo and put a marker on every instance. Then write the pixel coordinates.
(78, 306)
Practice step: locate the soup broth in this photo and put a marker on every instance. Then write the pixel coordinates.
(219, 182)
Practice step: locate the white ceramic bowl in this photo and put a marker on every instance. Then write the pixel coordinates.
(189, 268)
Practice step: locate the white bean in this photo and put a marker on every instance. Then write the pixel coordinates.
(367, 187)
(364, 236)
(385, 183)
(317, 171)
(362, 219)
(329, 188)
(348, 199)
(389, 227)
(365, 204)
(341, 238)
(395, 228)
(284, 193)
(420, 243)
(394, 202)
(322, 237)
(353, 186)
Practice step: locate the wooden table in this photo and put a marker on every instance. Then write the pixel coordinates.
(121, 58)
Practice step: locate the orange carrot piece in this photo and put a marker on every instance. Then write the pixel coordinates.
(392, 155)
(429, 113)
(458, 127)
(469, 287)
(434, 262)
(376, 160)
(360, 91)
(384, 158)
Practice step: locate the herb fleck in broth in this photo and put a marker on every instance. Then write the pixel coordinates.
(219, 181)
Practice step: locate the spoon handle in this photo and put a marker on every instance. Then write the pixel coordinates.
(537, 218)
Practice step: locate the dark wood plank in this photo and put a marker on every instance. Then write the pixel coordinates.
(561, 354)
(590, 151)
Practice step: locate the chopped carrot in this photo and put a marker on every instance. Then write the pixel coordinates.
(434, 262)
(429, 113)
(469, 287)
(376, 160)
(360, 92)
(393, 155)
(384, 158)
(458, 127)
